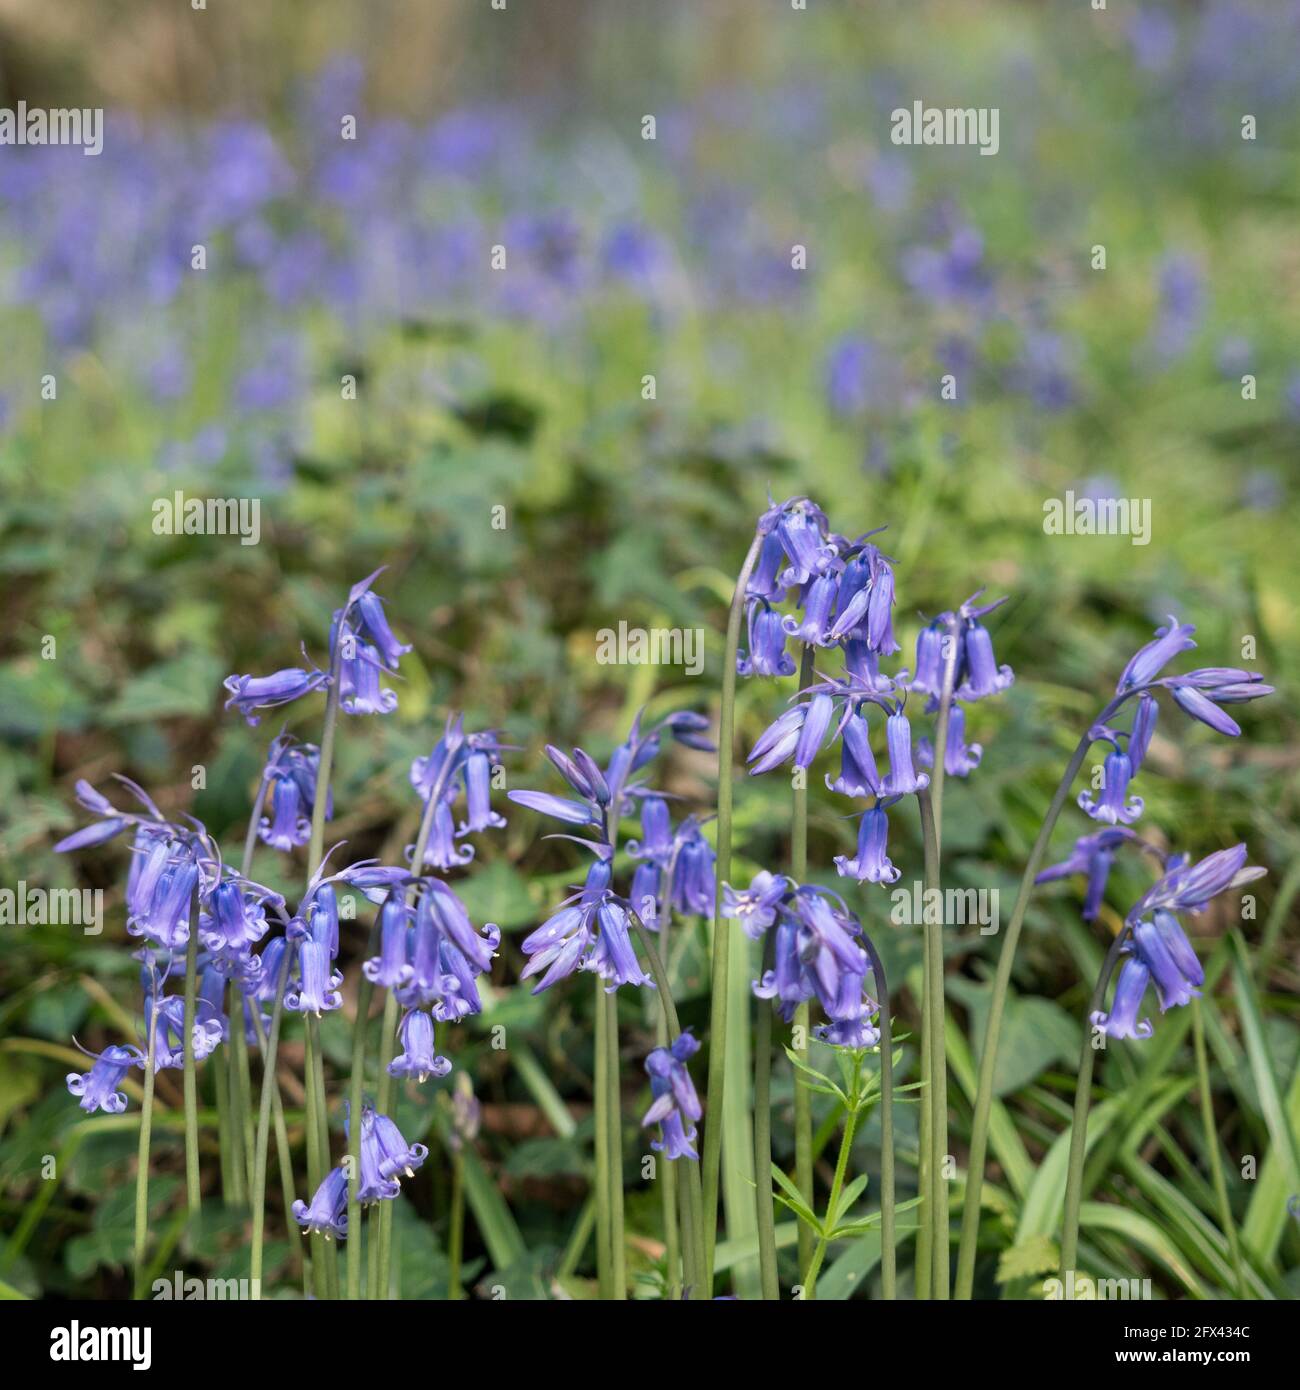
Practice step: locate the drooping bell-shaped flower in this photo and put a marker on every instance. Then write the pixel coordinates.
(1092, 855)
(858, 775)
(360, 691)
(558, 946)
(871, 864)
(454, 923)
(880, 606)
(251, 693)
(1188, 887)
(1122, 1020)
(693, 886)
(96, 1089)
(316, 990)
(328, 1212)
(766, 655)
(1144, 726)
(233, 922)
(852, 1020)
(656, 842)
(903, 777)
(675, 1105)
(478, 795)
(983, 675)
(961, 758)
(928, 676)
(1113, 807)
(765, 581)
(390, 968)
(1147, 663)
(813, 625)
(613, 957)
(370, 617)
(166, 919)
(395, 1154)
(417, 1057)
(1174, 988)
(787, 983)
(286, 827)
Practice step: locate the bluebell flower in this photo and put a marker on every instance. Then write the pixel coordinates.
(1188, 887)
(1144, 726)
(94, 834)
(233, 921)
(983, 675)
(359, 689)
(675, 1106)
(778, 741)
(612, 957)
(871, 864)
(858, 775)
(328, 1212)
(165, 920)
(394, 1154)
(787, 983)
(316, 989)
(765, 581)
(453, 922)
(1113, 807)
(827, 949)
(97, 1088)
(802, 530)
(961, 758)
(1092, 855)
(323, 918)
(852, 1020)
(657, 841)
(1175, 984)
(561, 808)
(417, 1057)
(1147, 663)
(863, 666)
(1122, 1021)
(766, 655)
(390, 967)
(478, 795)
(441, 851)
(459, 997)
(558, 946)
(880, 604)
(815, 625)
(693, 885)
(928, 677)
(166, 1016)
(647, 880)
(251, 693)
(755, 907)
(902, 778)
(287, 826)
(373, 623)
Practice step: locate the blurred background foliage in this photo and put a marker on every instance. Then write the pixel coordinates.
(523, 388)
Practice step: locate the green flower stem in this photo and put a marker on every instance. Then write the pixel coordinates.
(1079, 1128)
(997, 1005)
(578, 1240)
(668, 1178)
(270, 1088)
(193, 1192)
(387, 1033)
(888, 1234)
(613, 1116)
(720, 976)
(317, 1154)
(767, 1269)
(938, 1089)
(456, 1226)
(1212, 1147)
(694, 1245)
(600, 1099)
(939, 771)
(284, 1153)
(803, 1146)
(924, 1168)
(142, 1164)
(364, 991)
(223, 1086)
(837, 1186)
(241, 1115)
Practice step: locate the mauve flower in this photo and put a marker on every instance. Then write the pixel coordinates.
(693, 886)
(478, 795)
(1151, 945)
(232, 922)
(960, 758)
(166, 1016)
(417, 1057)
(871, 864)
(1122, 1021)
(286, 827)
(1147, 663)
(316, 990)
(767, 655)
(928, 677)
(1188, 887)
(1144, 725)
(755, 907)
(369, 611)
(801, 531)
(88, 835)
(612, 957)
(814, 626)
(852, 1019)
(1112, 807)
(902, 778)
(787, 983)
(390, 968)
(984, 676)
(97, 1088)
(395, 1154)
(328, 1212)
(675, 1104)
(249, 693)
(165, 920)
(359, 688)
(1092, 855)
(858, 775)
(764, 581)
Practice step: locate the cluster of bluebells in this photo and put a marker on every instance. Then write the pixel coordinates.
(843, 595)
(1153, 943)
(592, 930)
(430, 953)
(818, 950)
(674, 1105)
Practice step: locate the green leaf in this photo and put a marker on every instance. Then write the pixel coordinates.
(790, 1197)
(1140, 1231)
(186, 685)
(1037, 1255)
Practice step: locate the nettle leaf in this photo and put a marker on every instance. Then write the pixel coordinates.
(1037, 1255)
